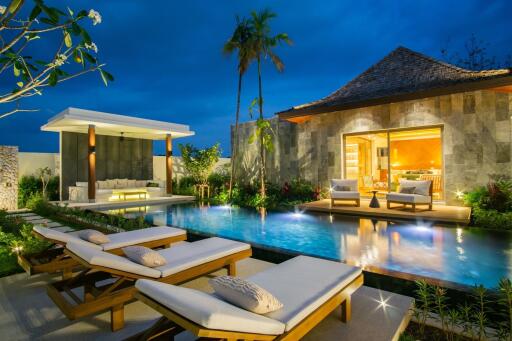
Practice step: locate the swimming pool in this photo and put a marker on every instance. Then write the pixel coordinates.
(463, 256)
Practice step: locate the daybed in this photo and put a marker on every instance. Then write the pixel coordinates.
(309, 289)
(184, 261)
(55, 260)
(115, 189)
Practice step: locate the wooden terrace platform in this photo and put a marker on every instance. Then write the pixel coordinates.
(440, 213)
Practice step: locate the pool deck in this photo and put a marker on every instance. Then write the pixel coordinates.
(27, 313)
(130, 203)
(439, 213)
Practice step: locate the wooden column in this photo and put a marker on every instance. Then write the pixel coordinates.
(91, 163)
(168, 163)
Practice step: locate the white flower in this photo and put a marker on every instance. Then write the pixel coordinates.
(91, 46)
(95, 17)
(60, 60)
(2, 9)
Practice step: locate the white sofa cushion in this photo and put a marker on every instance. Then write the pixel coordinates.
(82, 184)
(102, 184)
(421, 187)
(131, 183)
(101, 258)
(207, 310)
(352, 183)
(122, 239)
(344, 195)
(144, 256)
(187, 255)
(245, 294)
(408, 198)
(62, 237)
(111, 183)
(303, 284)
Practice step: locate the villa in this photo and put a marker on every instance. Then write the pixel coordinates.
(408, 116)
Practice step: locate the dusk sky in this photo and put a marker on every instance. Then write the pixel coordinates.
(166, 57)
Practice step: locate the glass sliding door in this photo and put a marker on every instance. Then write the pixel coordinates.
(366, 159)
(378, 160)
(417, 155)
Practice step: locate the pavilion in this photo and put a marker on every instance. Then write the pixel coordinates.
(99, 146)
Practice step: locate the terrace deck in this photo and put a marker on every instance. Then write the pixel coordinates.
(439, 213)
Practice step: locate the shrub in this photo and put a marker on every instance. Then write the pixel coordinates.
(32, 185)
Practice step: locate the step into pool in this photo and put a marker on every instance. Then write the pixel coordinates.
(463, 256)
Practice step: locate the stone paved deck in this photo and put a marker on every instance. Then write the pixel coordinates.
(26, 313)
(439, 213)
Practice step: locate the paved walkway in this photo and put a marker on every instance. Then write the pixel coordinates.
(36, 219)
(26, 313)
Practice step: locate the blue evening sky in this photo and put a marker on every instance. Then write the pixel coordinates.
(167, 62)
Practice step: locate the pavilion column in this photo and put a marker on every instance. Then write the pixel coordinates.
(168, 163)
(91, 163)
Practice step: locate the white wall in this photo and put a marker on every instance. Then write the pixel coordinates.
(29, 162)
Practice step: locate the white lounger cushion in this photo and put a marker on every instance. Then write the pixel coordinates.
(186, 255)
(207, 310)
(408, 198)
(101, 258)
(62, 237)
(117, 240)
(122, 239)
(303, 284)
(344, 195)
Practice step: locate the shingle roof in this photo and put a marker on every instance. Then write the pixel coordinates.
(402, 72)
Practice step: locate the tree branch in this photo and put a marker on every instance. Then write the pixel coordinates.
(15, 111)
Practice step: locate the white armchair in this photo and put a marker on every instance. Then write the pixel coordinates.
(412, 192)
(344, 190)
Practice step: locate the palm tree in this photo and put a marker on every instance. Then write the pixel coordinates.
(263, 44)
(240, 41)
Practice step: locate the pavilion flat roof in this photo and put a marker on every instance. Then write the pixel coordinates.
(78, 120)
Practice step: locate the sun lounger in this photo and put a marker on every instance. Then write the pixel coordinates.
(185, 261)
(54, 260)
(309, 289)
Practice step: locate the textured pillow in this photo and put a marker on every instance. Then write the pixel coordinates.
(144, 256)
(152, 184)
(245, 294)
(131, 183)
(339, 188)
(111, 184)
(407, 190)
(93, 236)
(102, 184)
(121, 183)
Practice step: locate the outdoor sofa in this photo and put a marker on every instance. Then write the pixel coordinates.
(344, 190)
(107, 283)
(55, 260)
(106, 189)
(309, 289)
(412, 192)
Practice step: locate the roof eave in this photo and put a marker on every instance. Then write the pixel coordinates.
(440, 91)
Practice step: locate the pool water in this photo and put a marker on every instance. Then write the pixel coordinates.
(463, 256)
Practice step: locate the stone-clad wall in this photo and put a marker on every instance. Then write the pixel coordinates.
(8, 177)
(477, 138)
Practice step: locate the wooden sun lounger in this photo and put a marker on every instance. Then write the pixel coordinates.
(56, 260)
(173, 323)
(114, 295)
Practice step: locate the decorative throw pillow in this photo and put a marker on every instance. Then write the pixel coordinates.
(102, 184)
(245, 294)
(407, 190)
(152, 184)
(94, 236)
(339, 188)
(140, 183)
(131, 183)
(144, 256)
(111, 184)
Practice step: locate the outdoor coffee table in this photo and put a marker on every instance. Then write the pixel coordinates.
(374, 203)
(144, 194)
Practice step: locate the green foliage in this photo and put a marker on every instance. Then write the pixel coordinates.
(472, 318)
(288, 195)
(31, 185)
(492, 204)
(199, 163)
(263, 133)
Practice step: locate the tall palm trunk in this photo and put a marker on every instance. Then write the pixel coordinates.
(234, 146)
(262, 149)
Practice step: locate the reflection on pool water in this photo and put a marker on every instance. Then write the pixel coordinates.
(464, 256)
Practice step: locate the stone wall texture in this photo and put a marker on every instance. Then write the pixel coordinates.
(8, 177)
(477, 139)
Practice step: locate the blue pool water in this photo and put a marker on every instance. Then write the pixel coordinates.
(464, 256)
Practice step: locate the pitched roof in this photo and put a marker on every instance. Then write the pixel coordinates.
(401, 75)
